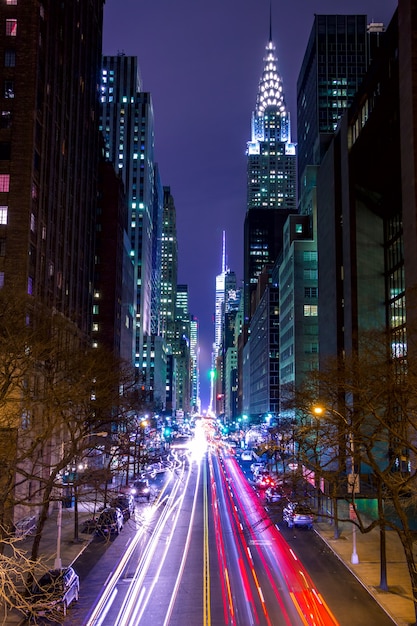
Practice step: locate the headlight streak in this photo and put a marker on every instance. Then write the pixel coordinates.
(128, 613)
(101, 603)
(186, 549)
(299, 583)
(107, 609)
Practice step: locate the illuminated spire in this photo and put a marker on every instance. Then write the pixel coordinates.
(270, 92)
(224, 253)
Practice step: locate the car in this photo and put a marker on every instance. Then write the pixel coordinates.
(126, 503)
(295, 514)
(110, 521)
(53, 593)
(256, 466)
(273, 494)
(264, 481)
(141, 489)
(246, 455)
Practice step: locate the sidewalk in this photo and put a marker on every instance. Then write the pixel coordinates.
(397, 601)
(70, 549)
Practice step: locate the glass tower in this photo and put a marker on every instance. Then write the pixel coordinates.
(128, 130)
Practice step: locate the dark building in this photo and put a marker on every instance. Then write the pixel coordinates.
(263, 242)
(113, 310)
(361, 220)
(338, 54)
(49, 151)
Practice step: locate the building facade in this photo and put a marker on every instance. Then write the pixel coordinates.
(128, 130)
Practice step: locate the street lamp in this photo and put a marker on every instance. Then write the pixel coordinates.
(58, 560)
(352, 478)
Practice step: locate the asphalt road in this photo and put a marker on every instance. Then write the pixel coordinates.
(206, 552)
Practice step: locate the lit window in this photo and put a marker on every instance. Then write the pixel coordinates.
(5, 119)
(3, 214)
(11, 28)
(1, 279)
(310, 310)
(9, 58)
(14, 2)
(30, 285)
(95, 327)
(4, 182)
(8, 91)
(32, 222)
(299, 229)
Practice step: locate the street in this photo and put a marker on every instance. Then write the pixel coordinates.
(206, 551)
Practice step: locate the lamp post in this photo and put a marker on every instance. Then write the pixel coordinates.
(352, 478)
(58, 560)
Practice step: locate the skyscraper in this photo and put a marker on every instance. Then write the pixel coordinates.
(337, 56)
(49, 152)
(127, 126)
(271, 175)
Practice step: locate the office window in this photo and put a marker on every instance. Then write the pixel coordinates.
(5, 119)
(310, 310)
(1, 279)
(11, 28)
(3, 214)
(9, 58)
(8, 91)
(4, 182)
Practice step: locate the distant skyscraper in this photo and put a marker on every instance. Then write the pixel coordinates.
(219, 304)
(271, 175)
(169, 268)
(181, 349)
(127, 126)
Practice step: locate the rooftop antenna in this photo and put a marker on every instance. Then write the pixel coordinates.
(270, 20)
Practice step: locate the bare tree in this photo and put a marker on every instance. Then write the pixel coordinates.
(367, 428)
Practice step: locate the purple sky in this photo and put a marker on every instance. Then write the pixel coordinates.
(201, 60)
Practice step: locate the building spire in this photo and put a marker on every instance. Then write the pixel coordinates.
(224, 253)
(270, 92)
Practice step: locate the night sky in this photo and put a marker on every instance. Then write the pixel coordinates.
(201, 61)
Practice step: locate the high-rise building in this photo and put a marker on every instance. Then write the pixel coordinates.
(49, 156)
(271, 176)
(169, 267)
(337, 56)
(194, 366)
(181, 351)
(49, 152)
(127, 126)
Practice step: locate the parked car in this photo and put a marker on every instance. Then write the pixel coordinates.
(110, 521)
(273, 494)
(246, 455)
(126, 503)
(54, 592)
(295, 514)
(256, 466)
(141, 489)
